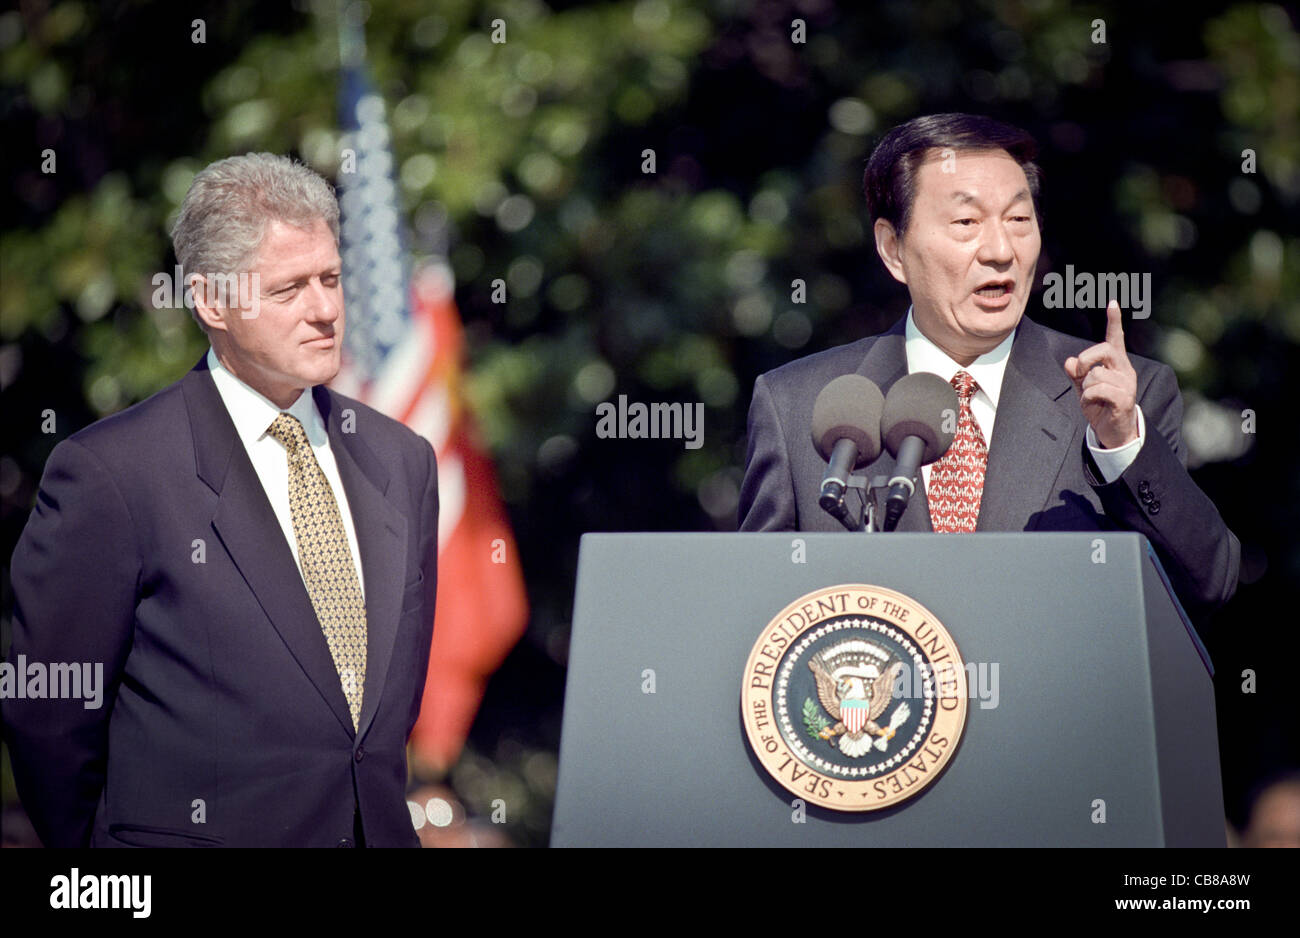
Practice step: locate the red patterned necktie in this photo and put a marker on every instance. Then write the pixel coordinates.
(957, 479)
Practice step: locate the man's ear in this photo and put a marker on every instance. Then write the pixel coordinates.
(205, 304)
(890, 248)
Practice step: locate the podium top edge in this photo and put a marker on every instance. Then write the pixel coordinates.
(1133, 536)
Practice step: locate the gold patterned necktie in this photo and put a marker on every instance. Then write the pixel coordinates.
(957, 479)
(326, 560)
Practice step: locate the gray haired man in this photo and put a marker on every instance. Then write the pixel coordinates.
(250, 556)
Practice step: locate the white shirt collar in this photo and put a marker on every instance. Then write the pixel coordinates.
(987, 370)
(252, 413)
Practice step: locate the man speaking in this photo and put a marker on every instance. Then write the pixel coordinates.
(250, 557)
(1052, 434)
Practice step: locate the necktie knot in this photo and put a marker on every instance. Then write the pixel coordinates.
(965, 386)
(288, 430)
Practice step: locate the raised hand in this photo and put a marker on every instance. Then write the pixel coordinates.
(1106, 385)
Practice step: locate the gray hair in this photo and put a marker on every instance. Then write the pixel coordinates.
(230, 203)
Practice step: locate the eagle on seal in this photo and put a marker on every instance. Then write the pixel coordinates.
(855, 694)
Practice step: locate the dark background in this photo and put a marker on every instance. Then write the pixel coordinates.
(677, 285)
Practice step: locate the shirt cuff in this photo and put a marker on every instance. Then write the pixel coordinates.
(1113, 462)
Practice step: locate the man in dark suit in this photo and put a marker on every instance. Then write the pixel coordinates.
(1054, 434)
(250, 556)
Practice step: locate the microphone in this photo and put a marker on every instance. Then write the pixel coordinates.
(912, 425)
(846, 432)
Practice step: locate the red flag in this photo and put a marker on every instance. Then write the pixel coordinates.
(482, 607)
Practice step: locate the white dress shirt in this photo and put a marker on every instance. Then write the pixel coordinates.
(253, 415)
(987, 370)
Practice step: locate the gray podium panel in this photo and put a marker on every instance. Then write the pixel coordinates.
(1102, 699)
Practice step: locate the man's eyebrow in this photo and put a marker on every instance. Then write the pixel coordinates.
(289, 280)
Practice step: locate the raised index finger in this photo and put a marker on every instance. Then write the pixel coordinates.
(1114, 325)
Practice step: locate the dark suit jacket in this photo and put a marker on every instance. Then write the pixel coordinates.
(1040, 476)
(222, 700)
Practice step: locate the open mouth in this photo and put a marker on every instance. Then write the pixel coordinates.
(996, 290)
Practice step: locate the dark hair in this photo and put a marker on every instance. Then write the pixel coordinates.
(890, 179)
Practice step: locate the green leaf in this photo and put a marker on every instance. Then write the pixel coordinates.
(813, 719)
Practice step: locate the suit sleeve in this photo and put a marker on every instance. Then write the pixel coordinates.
(767, 499)
(428, 554)
(75, 576)
(1156, 497)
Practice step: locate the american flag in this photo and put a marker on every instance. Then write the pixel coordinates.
(402, 354)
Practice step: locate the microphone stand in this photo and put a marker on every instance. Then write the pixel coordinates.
(875, 490)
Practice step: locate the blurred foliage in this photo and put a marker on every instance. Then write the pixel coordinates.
(525, 160)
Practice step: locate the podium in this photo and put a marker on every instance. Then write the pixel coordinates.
(1092, 723)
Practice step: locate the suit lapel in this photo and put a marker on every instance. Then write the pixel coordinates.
(381, 538)
(246, 525)
(884, 363)
(1033, 429)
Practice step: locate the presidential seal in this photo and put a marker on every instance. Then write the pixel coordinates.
(854, 697)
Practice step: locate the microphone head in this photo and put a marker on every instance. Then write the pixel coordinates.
(848, 407)
(917, 405)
